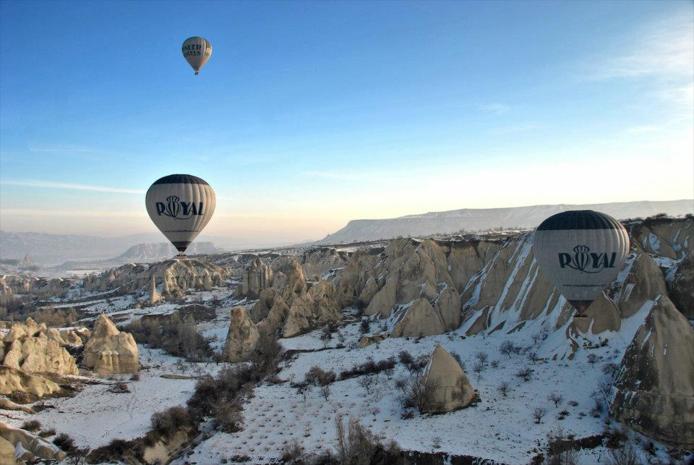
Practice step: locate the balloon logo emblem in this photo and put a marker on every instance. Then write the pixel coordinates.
(172, 206)
(581, 257)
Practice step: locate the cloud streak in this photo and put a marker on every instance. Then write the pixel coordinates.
(70, 186)
(663, 48)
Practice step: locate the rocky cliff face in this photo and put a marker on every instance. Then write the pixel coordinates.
(287, 308)
(172, 277)
(655, 386)
(430, 287)
(38, 287)
(109, 351)
(33, 348)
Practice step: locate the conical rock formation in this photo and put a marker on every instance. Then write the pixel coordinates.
(242, 336)
(655, 386)
(446, 388)
(109, 351)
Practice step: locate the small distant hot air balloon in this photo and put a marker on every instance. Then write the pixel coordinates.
(581, 253)
(196, 50)
(180, 205)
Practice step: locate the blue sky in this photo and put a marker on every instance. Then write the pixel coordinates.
(313, 113)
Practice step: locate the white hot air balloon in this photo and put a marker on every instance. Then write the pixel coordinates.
(196, 51)
(180, 205)
(581, 253)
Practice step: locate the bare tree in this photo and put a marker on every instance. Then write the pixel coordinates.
(538, 414)
(503, 388)
(625, 455)
(507, 348)
(555, 398)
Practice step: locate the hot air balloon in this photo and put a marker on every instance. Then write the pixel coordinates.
(581, 253)
(196, 51)
(180, 205)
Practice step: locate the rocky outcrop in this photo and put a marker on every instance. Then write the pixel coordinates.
(445, 386)
(7, 452)
(33, 348)
(655, 386)
(32, 447)
(174, 276)
(410, 278)
(242, 336)
(289, 307)
(110, 351)
(320, 262)
(256, 277)
(24, 387)
(36, 286)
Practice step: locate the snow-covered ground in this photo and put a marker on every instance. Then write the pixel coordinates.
(498, 427)
(95, 416)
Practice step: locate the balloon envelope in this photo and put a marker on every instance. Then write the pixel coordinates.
(581, 253)
(180, 205)
(196, 51)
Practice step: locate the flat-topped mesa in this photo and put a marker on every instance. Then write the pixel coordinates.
(110, 351)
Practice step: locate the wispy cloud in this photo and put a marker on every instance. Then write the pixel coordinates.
(69, 186)
(662, 48)
(495, 108)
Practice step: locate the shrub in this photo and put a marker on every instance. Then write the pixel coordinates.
(31, 425)
(369, 368)
(623, 456)
(293, 454)
(482, 358)
(415, 396)
(405, 358)
(503, 388)
(175, 334)
(507, 348)
(317, 377)
(65, 443)
(266, 354)
(555, 398)
(116, 450)
(228, 416)
(47, 433)
(525, 374)
(168, 422)
(358, 446)
(538, 414)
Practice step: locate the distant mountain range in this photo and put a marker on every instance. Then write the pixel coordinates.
(56, 249)
(142, 253)
(472, 220)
